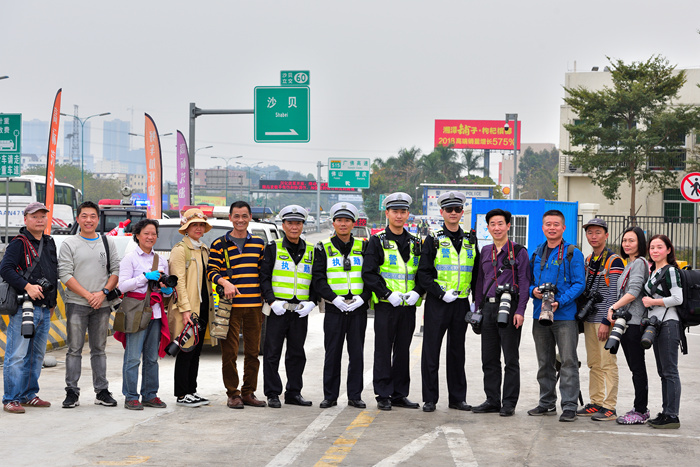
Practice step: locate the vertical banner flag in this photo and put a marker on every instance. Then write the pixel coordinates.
(51, 160)
(154, 172)
(183, 172)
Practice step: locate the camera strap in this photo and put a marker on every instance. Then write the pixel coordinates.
(31, 256)
(508, 261)
(593, 273)
(108, 253)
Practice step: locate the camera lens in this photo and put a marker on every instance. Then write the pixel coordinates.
(504, 310)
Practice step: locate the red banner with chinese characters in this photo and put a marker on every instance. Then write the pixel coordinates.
(475, 134)
(154, 172)
(51, 160)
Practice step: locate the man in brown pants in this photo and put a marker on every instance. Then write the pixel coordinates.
(234, 264)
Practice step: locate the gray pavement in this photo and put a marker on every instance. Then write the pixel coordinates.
(216, 435)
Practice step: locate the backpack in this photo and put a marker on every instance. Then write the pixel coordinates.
(689, 310)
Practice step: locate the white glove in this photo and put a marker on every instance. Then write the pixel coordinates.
(306, 308)
(278, 307)
(472, 307)
(411, 297)
(357, 303)
(395, 299)
(449, 296)
(340, 304)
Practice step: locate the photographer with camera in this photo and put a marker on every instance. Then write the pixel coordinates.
(30, 260)
(603, 268)
(501, 294)
(88, 265)
(663, 294)
(558, 279)
(446, 272)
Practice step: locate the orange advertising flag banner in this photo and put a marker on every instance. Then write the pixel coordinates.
(51, 160)
(475, 134)
(154, 171)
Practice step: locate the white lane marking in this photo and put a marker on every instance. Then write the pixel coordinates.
(293, 450)
(457, 442)
(628, 433)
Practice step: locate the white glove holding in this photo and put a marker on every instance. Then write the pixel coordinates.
(449, 296)
(395, 299)
(411, 297)
(278, 307)
(306, 308)
(358, 302)
(340, 304)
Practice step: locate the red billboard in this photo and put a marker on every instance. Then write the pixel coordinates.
(475, 134)
(297, 185)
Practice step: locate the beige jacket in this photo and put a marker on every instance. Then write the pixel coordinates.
(188, 284)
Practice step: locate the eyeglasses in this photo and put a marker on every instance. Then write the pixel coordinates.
(452, 209)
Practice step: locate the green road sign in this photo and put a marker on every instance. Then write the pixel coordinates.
(282, 114)
(10, 145)
(382, 197)
(294, 78)
(348, 173)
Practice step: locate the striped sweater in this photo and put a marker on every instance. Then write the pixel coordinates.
(245, 267)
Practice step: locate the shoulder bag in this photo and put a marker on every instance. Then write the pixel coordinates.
(9, 300)
(134, 315)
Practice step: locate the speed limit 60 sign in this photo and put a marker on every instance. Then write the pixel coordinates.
(690, 187)
(294, 78)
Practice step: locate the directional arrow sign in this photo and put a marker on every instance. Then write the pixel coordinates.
(281, 114)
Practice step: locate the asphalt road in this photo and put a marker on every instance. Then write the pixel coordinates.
(217, 435)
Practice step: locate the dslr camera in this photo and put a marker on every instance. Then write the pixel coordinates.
(190, 331)
(650, 328)
(506, 294)
(27, 328)
(168, 280)
(548, 291)
(474, 318)
(592, 298)
(621, 317)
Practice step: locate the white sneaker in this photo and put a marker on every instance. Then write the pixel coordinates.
(200, 399)
(188, 401)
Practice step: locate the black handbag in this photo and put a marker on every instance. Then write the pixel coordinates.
(9, 300)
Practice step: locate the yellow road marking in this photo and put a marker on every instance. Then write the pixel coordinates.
(131, 460)
(344, 444)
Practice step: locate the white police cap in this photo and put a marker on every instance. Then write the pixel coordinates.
(397, 200)
(451, 198)
(345, 210)
(293, 212)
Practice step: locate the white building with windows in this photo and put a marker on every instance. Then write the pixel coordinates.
(577, 186)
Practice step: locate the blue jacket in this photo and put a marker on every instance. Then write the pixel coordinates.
(570, 279)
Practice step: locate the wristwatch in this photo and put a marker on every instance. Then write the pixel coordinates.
(105, 291)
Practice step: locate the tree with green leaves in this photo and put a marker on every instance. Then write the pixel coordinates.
(471, 161)
(538, 171)
(632, 132)
(95, 189)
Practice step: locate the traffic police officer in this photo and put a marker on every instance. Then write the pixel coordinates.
(446, 271)
(337, 273)
(285, 280)
(388, 272)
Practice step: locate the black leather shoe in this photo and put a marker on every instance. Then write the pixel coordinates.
(405, 403)
(486, 407)
(274, 402)
(359, 403)
(325, 403)
(429, 407)
(460, 406)
(297, 400)
(384, 404)
(507, 411)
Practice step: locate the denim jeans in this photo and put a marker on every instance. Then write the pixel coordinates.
(144, 342)
(96, 322)
(666, 353)
(24, 357)
(561, 335)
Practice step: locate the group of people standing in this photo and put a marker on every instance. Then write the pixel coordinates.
(393, 271)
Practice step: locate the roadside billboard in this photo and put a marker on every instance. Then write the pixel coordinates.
(475, 134)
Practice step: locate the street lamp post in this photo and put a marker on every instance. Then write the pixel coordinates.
(226, 159)
(82, 144)
(514, 117)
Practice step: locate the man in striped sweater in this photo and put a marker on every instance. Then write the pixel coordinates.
(234, 264)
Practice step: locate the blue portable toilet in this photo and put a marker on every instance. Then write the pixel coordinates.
(526, 223)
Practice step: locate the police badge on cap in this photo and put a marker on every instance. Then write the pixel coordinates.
(451, 199)
(344, 210)
(398, 200)
(293, 212)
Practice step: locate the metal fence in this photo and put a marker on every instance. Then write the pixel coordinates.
(680, 231)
